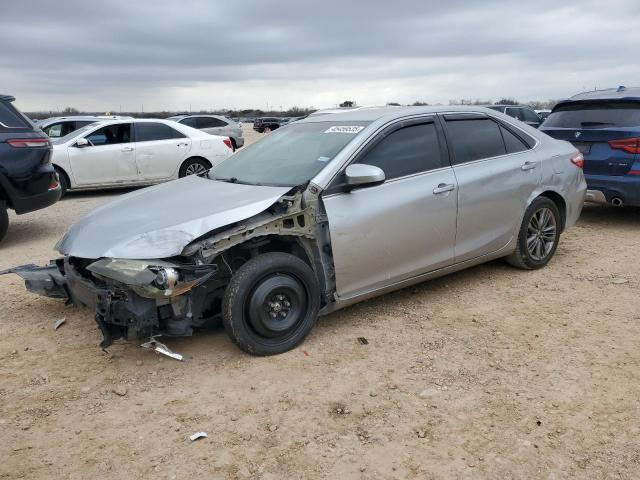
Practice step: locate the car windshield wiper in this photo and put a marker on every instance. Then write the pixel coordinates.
(228, 180)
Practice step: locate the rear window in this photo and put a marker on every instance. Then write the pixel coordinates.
(595, 115)
(11, 118)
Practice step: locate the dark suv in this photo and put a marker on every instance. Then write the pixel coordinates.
(28, 181)
(267, 124)
(605, 126)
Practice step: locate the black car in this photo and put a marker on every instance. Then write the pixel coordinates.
(267, 124)
(521, 112)
(28, 181)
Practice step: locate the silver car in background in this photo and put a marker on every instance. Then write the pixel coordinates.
(215, 125)
(322, 213)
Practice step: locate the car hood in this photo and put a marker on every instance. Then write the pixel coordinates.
(159, 221)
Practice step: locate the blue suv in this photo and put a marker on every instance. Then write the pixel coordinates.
(604, 125)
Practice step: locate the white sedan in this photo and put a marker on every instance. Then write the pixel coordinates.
(118, 153)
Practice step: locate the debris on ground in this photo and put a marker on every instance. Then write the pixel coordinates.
(159, 347)
(198, 435)
(363, 341)
(619, 281)
(120, 390)
(59, 323)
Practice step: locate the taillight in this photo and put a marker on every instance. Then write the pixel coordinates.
(28, 142)
(53, 184)
(629, 145)
(228, 143)
(577, 160)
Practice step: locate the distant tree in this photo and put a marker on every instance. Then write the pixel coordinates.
(419, 104)
(393, 104)
(348, 104)
(507, 101)
(70, 111)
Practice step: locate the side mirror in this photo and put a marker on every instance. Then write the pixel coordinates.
(359, 174)
(82, 142)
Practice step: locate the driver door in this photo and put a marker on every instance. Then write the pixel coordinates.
(386, 233)
(108, 159)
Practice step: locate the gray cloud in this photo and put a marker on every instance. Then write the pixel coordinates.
(100, 55)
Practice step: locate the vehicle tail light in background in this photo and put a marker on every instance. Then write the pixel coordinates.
(578, 160)
(629, 145)
(53, 184)
(228, 143)
(28, 142)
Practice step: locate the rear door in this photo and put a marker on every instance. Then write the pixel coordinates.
(212, 125)
(384, 234)
(603, 131)
(160, 149)
(109, 159)
(497, 171)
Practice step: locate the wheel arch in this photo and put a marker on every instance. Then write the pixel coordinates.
(560, 202)
(61, 170)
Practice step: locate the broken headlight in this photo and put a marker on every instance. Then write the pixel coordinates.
(153, 278)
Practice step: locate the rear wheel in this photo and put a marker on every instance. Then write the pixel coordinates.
(4, 220)
(233, 144)
(539, 235)
(271, 304)
(194, 166)
(266, 130)
(64, 182)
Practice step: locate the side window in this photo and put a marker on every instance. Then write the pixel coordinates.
(151, 131)
(209, 122)
(513, 143)
(514, 112)
(474, 139)
(406, 151)
(530, 115)
(83, 123)
(189, 122)
(54, 130)
(111, 135)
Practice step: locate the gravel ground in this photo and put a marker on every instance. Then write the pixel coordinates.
(487, 373)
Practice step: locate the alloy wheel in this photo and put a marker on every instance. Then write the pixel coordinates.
(541, 234)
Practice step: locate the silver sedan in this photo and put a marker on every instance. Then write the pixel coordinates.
(322, 213)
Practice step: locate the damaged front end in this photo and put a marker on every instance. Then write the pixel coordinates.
(138, 299)
(132, 299)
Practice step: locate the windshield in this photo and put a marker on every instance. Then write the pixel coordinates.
(290, 156)
(72, 135)
(595, 115)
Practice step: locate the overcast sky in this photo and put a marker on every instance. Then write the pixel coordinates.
(168, 55)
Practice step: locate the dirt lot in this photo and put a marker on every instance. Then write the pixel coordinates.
(488, 373)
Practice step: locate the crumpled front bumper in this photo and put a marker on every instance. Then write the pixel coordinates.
(120, 312)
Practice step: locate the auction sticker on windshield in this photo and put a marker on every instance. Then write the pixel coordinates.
(345, 129)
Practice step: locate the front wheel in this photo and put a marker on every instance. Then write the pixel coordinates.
(271, 304)
(4, 220)
(539, 235)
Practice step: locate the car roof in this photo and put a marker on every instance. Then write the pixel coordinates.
(620, 93)
(7, 98)
(370, 114)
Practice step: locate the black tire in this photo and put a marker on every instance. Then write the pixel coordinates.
(266, 130)
(271, 283)
(64, 182)
(233, 144)
(4, 220)
(193, 163)
(532, 258)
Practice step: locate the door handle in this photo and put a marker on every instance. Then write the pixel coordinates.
(183, 144)
(528, 166)
(127, 149)
(443, 188)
